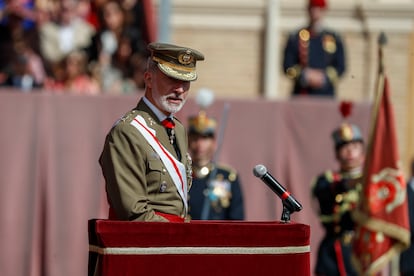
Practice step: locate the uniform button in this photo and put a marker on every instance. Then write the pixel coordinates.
(339, 198)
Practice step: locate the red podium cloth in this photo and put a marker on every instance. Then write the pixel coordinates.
(198, 248)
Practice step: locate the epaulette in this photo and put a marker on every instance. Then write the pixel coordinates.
(232, 173)
(332, 176)
(313, 182)
(304, 34)
(128, 116)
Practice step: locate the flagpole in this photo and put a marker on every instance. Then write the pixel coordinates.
(382, 40)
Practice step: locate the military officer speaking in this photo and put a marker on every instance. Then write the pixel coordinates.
(144, 160)
(216, 191)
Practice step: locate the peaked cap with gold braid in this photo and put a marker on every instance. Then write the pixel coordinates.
(175, 61)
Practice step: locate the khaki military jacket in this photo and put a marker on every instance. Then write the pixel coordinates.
(137, 182)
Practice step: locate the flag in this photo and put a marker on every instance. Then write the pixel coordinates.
(382, 220)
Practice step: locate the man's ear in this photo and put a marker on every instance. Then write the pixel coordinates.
(148, 79)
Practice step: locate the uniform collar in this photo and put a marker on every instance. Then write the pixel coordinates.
(354, 173)
(160, 115)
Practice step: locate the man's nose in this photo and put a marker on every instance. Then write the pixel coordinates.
(181, 86)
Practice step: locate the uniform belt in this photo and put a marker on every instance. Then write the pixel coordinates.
(170, 217)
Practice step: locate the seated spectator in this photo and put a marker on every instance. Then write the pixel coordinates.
(20, 62)
(65, 32)
(74, 79)
(26, 70)
(22, 8)
(112, 49)
(90, 12)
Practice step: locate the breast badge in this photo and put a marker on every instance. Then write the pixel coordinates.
(329, 44)
(220, 194)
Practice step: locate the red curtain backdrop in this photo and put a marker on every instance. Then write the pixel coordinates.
(383, 229)
(51, 183)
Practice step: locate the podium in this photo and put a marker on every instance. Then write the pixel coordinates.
(198, 248)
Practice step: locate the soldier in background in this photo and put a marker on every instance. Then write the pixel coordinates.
(216, 192)
(314, 57)
(337, 194)
(407, 257)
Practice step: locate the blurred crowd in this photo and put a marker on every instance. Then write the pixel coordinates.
(73, 46)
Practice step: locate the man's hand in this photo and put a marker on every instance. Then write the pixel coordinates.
(315, 78)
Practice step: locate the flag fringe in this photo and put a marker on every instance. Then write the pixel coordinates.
(391, 230)
(378, 264)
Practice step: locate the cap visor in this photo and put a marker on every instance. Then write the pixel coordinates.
(177, 74)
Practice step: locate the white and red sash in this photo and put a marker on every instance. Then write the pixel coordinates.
(175, 168)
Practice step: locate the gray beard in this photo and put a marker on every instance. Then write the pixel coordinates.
(171, 108)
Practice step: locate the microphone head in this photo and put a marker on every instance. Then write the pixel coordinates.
(259, 170)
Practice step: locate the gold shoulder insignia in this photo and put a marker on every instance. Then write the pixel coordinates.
(313, 182)
(232, 173)
(304, 35)
(128, 116)
(232, 176)
(329, 176)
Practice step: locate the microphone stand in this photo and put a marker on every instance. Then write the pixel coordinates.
(205, 213)
(285, 214)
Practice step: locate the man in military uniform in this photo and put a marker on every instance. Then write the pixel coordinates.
(314, 57)
(407, 257)
(144, 160)
(216, 193)
(337, 194)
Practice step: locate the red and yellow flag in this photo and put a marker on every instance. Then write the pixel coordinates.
(382, 216)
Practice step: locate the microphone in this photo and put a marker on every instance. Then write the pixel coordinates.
(288, 200)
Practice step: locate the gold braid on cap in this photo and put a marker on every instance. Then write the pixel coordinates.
(173, 66)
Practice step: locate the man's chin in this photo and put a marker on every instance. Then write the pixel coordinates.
(174, 108)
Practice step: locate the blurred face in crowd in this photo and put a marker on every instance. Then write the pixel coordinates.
(113, 16)
(166, 93)
(351, 155)
(67, 11)
(75, 64)
(201, 148)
